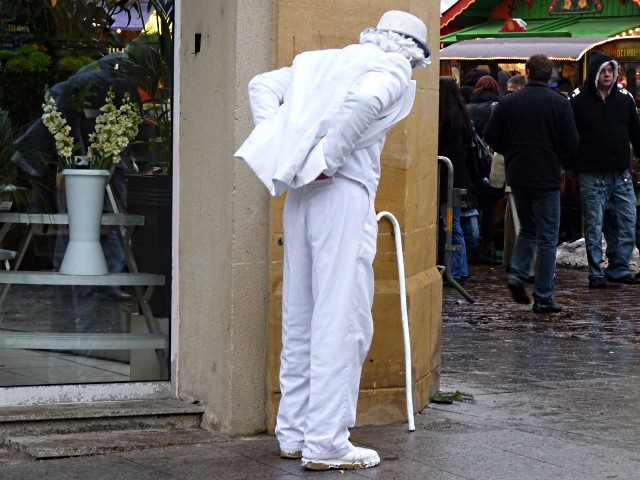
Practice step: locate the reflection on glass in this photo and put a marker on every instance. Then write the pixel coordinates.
(109, 328)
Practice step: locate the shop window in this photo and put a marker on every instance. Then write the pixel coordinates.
(61, 328)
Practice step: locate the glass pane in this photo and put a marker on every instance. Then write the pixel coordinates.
(76, 305)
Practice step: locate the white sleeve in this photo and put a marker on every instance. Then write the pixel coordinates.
(267, 91)
(363, 105)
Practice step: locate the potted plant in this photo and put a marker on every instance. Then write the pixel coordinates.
(85, 176)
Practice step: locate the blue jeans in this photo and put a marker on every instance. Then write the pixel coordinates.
(470, 227)
(539, 215)
(459, 267)
(596, 191)
(637, 225)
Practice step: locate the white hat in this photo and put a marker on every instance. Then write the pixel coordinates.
(408, 25)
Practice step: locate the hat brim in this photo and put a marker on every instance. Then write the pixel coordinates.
(421, 44)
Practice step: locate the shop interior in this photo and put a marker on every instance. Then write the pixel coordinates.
(57, 327)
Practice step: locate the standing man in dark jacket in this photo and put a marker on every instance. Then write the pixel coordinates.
(534, 129)
(608, 123)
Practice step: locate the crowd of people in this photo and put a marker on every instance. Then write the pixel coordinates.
(541, 137)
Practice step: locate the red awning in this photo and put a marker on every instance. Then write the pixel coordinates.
(455, 10)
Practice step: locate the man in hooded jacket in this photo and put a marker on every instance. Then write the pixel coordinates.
(607, 122)
(320, 128)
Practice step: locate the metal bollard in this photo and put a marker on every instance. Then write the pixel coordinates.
(448, 248)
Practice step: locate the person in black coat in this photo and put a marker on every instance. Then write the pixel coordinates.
(607, 121)
(484, 96)
(454, 137)
(535, 130)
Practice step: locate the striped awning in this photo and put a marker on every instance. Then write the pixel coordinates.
(559, 49)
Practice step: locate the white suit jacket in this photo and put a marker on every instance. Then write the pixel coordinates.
(312, 116)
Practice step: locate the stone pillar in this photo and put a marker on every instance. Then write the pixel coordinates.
(408, 190)
(227, 261)
(221, 227)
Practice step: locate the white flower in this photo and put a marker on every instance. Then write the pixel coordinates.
(58, 127)
(115, 128)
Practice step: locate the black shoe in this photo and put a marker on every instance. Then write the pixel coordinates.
(546, 306)
(597, 282)
(627, 280)
(518, 293)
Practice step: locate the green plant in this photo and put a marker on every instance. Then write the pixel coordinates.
(6, 55)
(450, 397)
(28, 58)
(7, 149)
(74, 63)
(26, 190)
(150, 66)
(23, 77)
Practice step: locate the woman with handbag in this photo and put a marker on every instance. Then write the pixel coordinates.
(454, 138)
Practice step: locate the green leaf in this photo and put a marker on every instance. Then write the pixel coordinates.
(450, 397)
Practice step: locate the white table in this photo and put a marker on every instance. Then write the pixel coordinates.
(143, 283)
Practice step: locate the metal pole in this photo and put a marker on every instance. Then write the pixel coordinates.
(405, 318)
(448, 247)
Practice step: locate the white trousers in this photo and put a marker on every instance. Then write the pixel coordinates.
(330, 233)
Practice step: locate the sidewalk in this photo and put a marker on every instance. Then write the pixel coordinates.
(557, 397)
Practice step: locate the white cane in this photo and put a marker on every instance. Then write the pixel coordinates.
(405, 319)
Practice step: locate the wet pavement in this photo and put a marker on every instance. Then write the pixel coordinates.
(556, 397)
(611, 314)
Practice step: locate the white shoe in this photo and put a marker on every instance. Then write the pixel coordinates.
(357, 458)
(291, 454)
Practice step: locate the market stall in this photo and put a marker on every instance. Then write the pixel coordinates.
(570, 54)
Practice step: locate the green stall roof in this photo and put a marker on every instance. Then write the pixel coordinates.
(593, 27)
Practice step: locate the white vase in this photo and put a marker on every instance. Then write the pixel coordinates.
(85, 191)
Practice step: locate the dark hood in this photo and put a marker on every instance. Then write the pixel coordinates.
(597, 61)
(472, 76)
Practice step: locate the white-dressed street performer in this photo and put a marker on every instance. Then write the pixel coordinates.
(320, 127)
